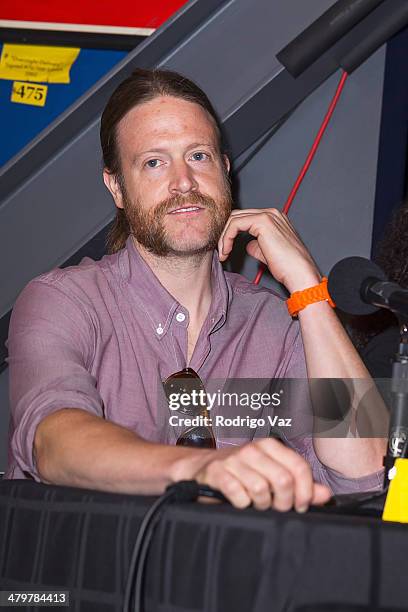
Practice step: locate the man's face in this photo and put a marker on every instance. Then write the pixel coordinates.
(175, 190)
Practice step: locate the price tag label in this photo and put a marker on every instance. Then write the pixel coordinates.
(29, 93)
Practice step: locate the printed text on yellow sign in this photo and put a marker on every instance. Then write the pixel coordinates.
(37, 63)
(29, 93)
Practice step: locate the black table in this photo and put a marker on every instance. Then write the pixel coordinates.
(203, 558)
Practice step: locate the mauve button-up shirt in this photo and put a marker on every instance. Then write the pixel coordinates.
(102, 336)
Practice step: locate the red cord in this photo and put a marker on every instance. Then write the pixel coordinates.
(309, 159)
(261, 270)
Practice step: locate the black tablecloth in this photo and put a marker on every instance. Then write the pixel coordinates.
(203, 558)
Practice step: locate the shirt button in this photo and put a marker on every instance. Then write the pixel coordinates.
(160, 330)
(180, 316)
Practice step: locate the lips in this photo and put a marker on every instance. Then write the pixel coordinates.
(185, 209)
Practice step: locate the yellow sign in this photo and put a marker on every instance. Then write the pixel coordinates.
(37, 63)
(27, 93)
(396, 504)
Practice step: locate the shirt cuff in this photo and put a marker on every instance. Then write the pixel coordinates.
(337, 482)
(340, 484)
(22, 442)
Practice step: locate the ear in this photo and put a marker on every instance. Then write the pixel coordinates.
(112, 184)
(226, 163)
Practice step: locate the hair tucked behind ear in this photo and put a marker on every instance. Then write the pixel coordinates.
(118, 232)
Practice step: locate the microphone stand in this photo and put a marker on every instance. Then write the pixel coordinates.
(398, 429)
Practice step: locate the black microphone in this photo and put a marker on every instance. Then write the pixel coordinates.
(358, 286)
(398, 430)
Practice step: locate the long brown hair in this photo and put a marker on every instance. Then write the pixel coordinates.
(141, 86)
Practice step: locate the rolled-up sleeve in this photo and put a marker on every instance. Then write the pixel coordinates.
(337, 482)
(51, 343)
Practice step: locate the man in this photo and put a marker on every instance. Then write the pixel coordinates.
(88, 344)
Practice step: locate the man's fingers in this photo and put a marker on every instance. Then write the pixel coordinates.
(253, 249)
(278, 478)
(267, 467)
(266, 474)
(251, 220)
(221, 243)
(240, 211)
(257, 487)
(298, 468)
(321, 494)
(235, 225)
(215, 475)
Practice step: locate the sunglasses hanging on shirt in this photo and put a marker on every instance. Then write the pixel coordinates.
(187, 384)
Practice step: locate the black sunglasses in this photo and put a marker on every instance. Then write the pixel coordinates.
(187, 381)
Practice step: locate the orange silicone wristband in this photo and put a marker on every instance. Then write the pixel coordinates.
(299, 299)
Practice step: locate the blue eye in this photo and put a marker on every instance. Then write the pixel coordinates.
(200, 156)
(152, 163)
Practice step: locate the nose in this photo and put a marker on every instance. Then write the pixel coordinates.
(182, 178)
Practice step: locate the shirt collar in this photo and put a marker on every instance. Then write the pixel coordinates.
(159, 305)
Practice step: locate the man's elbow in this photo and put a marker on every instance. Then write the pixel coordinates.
(49, 444)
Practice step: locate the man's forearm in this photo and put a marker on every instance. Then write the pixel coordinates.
(75, 448)
(330, 354)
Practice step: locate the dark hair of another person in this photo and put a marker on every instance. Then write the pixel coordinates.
(393, 252)
(141, 86)
(392, 257)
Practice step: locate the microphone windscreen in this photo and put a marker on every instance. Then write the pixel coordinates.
(345, 281)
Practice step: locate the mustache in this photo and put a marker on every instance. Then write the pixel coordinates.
(195, 198)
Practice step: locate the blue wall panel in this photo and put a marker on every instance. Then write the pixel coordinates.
(20, 123)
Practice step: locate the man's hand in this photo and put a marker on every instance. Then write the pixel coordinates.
(276, 244)
(264, 473)
(71, 450)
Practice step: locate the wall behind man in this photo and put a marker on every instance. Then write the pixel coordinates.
(20, 123)
(334, 206)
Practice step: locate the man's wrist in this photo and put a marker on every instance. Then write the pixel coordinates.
(187, 465)
(301, 299)
(303, 282)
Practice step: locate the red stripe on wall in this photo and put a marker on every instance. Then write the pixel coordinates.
(128, 13)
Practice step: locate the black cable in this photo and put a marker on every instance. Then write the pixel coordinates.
(363, 503)
(183, 491)
(138, 544)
